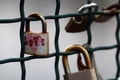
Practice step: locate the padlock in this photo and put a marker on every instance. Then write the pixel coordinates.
(36, 43)
(86, 74)
(109, 12)
(78, 23)
(92, 57)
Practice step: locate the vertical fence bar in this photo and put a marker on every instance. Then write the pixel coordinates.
(118, 45)
(88, 1)
(22, 63)
(89, 41)
(89, 21)
(89, 34)
(57, 40)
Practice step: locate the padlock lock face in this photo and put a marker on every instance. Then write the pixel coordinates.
(36, 43)
(87, 74)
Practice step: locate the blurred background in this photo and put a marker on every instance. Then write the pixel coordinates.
(43, 69)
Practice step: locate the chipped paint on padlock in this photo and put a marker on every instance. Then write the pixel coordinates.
(87, 74)
(36, 43)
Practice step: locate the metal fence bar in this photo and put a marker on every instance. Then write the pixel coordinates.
(57, 40)
(22, 63)
(118, 46)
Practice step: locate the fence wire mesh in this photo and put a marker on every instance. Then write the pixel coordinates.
(56, 17)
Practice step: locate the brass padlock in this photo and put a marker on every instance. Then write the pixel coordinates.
(81, 66)
(78, 24)
(86, 74)
(36, 43)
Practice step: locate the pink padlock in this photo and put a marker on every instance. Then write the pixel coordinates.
(36, 43)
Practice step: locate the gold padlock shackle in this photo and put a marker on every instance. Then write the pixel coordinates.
(38, 16)
(80, 49)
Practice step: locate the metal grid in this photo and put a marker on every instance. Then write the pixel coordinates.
(56, 17)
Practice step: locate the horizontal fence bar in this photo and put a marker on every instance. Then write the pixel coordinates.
(32, 57)
(49, 17)
(54, 54)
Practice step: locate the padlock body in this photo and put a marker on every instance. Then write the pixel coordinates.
(72, 26)
(87, 74)
(36, 43)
